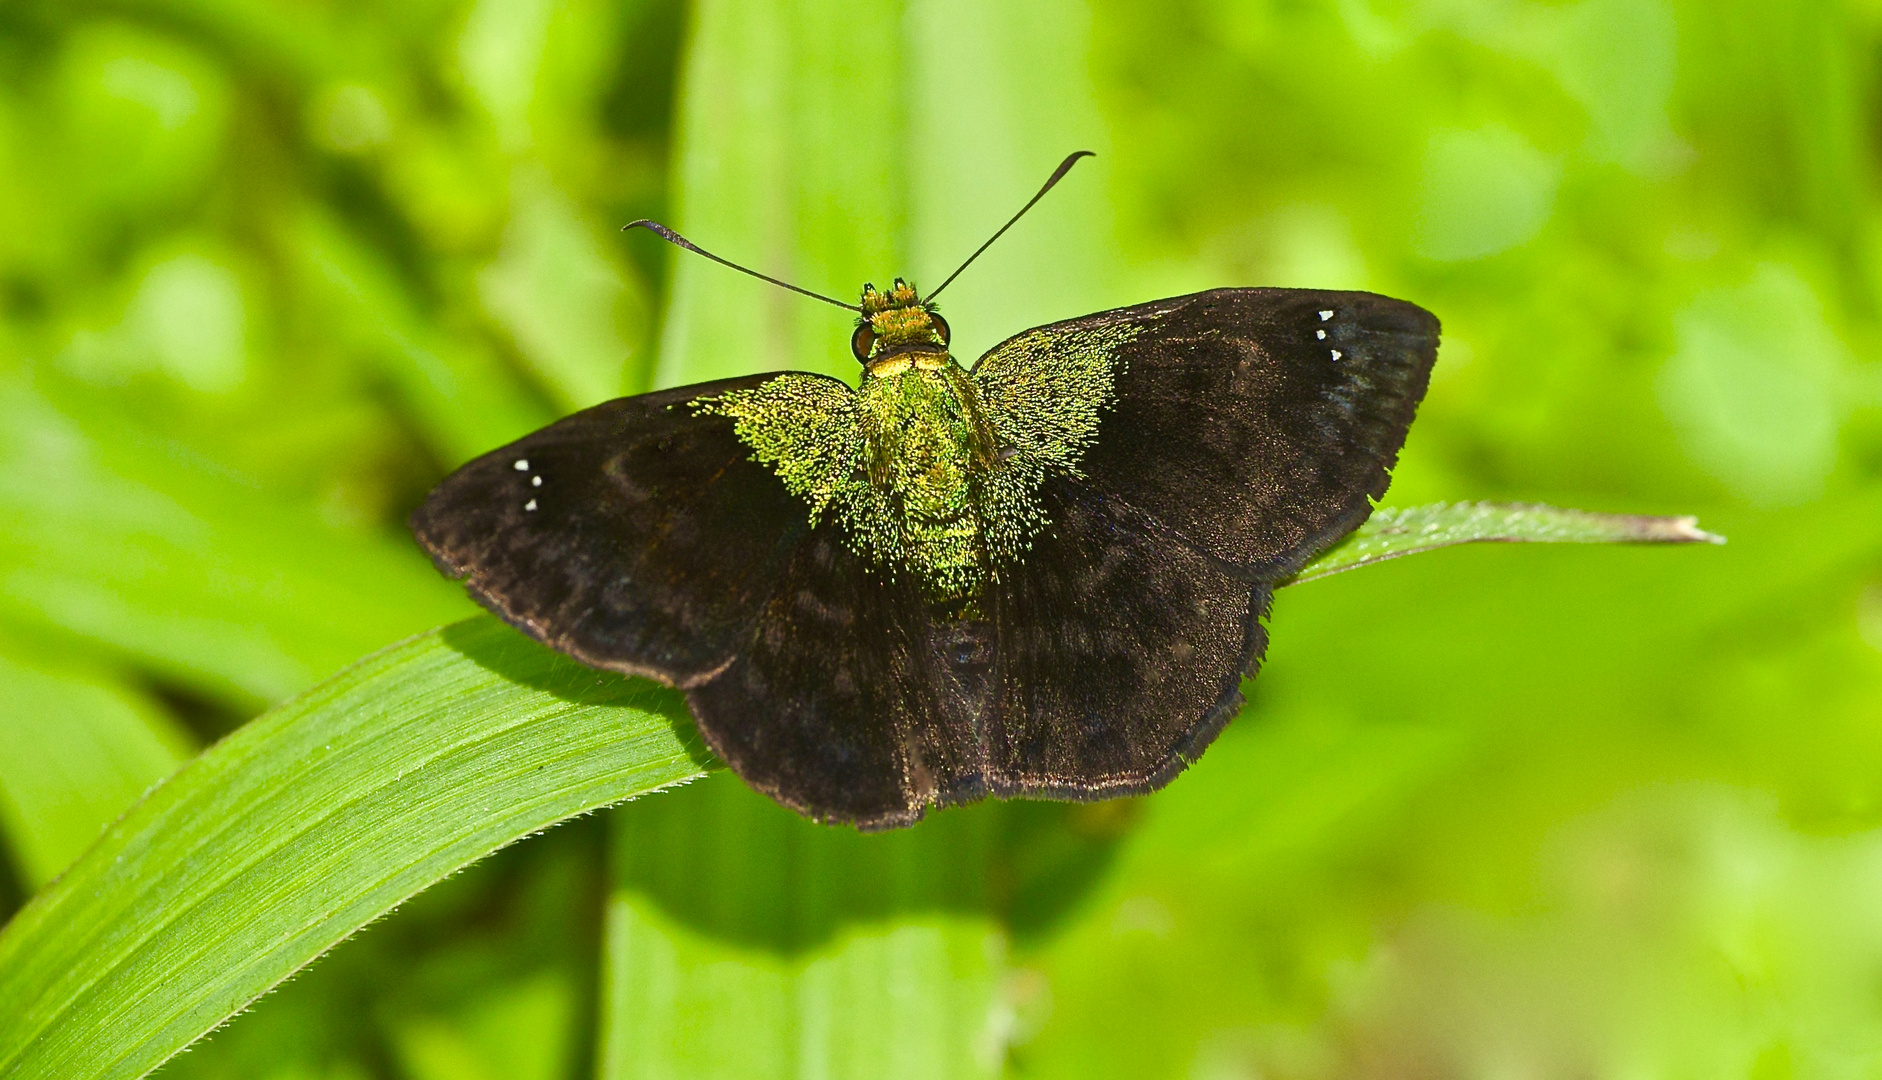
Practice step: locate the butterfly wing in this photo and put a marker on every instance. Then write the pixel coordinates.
(1187, 453)
(1254, 424)
(851, 702)
(1195, 451)
(638, 535)
(642, 536)
(1120, 654)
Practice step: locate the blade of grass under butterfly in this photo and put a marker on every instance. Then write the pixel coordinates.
(1390, 534)
(327, 812)
(744, 941)
(1519, 676)
(309, 823)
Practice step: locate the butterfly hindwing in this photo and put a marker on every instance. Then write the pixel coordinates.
(851, 701)
(637, 535)
(1255, 424)
(1120, 654)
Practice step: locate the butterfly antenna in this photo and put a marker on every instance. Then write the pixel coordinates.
(677, 240)
(1057, 175)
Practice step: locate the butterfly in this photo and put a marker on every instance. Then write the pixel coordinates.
(1043, 576)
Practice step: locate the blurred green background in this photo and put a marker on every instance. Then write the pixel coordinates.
(269, 270)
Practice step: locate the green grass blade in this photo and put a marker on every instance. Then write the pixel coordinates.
(308, 824)
(128, 542)
(1390, 534)
(76, 748)
(324, 814)
(746, 942)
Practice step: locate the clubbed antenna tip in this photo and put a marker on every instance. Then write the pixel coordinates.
(1057, 175)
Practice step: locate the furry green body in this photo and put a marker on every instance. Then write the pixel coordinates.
(933, 470)
(930, 450)
(907, 463)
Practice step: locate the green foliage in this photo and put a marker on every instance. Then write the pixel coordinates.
(266, 271)
(310, 822)
(324, 814)
(1392, 533)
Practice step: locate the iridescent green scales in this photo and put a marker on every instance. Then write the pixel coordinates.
(804, 428)
(931, 470)
(1043, 392)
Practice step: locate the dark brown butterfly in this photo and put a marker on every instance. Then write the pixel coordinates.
(1044, 576)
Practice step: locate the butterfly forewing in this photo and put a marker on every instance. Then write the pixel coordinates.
(641, 536)
(635, 536)
(1255, 424)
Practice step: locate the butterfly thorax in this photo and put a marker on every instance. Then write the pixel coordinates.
(926, 441)
(932, 471)
(901, 462)
(926, 449)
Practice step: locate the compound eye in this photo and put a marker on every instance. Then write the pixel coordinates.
(940, 326)
(863, 341)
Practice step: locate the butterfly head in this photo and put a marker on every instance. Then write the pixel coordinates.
(897, 321)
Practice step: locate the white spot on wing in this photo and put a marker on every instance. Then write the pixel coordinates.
(535, 481)
(530, 505)
(1325, 315)
(1321, 334)
(522, 464)
(1336, 354)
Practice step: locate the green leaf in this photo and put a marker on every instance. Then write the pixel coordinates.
(1360, 756)
(1390, 534)
(464, 398)
(128, 542)
(327, 812)
(309, 823)
(744, 941)
(76, 748)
